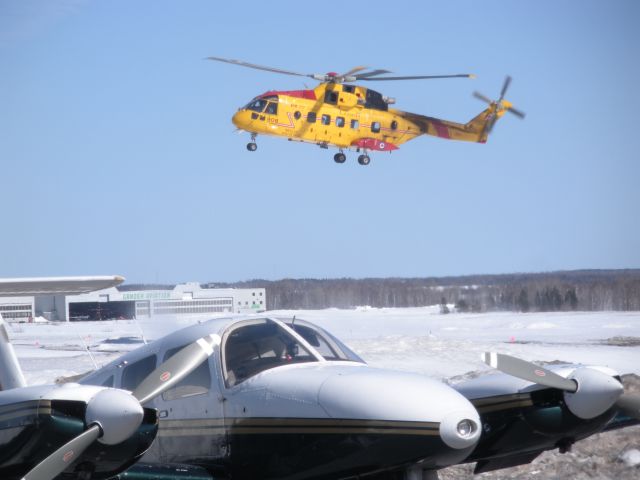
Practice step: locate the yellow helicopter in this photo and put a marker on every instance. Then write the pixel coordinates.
(339, 114)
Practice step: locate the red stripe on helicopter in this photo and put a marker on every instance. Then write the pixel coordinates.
(287, 125)
(308, 94)
(441, 130)
(374, 144)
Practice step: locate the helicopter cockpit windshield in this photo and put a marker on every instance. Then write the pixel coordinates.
(256, 105)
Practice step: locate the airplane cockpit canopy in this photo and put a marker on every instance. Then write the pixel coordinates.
(256, 345)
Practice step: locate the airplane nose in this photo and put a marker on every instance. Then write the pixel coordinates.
(431, 420)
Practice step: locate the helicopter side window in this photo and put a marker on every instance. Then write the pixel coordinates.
(394, 125)
(326, 119)
(349, 88)
(272, 108)
(331, 97)
(311, 117)
(355, 124)
(375, 127)
(340, 122)
(196, 383)
(256, 105)
(258, 346)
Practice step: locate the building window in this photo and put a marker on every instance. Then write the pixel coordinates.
(340, 122)
(326, 119)
(375, 127)
(311, 117)
(355, 124)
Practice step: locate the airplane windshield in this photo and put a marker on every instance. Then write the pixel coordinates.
(256, 105)
(254, 346)
(325, 344)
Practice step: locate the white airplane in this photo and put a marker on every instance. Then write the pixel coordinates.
(270, 398)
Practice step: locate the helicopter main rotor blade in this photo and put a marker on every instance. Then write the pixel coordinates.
(352, 71)
(175, 368)
(372, 73)
(58, 461)
(420, 77)
(528, 371)
(259, 67)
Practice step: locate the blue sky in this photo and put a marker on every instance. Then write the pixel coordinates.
(118, 155)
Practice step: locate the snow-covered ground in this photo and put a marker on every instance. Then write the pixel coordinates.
(413, 339)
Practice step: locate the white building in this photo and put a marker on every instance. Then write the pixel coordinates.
(113, 303)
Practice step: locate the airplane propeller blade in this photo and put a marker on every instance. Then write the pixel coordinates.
(59, 460)
(117, 428)
(528, 371)
(175, 368)
(629, 404)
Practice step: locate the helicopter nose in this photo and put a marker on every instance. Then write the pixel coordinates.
(424, 420)
(240, 118)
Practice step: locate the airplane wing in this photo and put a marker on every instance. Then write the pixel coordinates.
(15, 287)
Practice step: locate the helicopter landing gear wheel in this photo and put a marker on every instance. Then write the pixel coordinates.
(364, 160)
(252, 147)
(339, 157)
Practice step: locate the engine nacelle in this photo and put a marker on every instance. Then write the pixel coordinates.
(597, 392)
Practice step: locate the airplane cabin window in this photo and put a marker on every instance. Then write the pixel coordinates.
(256, 105)
(256, 347)
(196, 383)
(135, 373)
(108, 382)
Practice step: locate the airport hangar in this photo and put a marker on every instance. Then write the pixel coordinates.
(186, 299)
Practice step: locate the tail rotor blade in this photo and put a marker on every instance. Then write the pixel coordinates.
(175, 368)
(528, 371)
(58, 461)
(480, 96)
(516, 112)
(505, 86)
(629, 404)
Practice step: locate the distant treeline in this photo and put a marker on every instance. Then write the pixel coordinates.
(588, 290)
